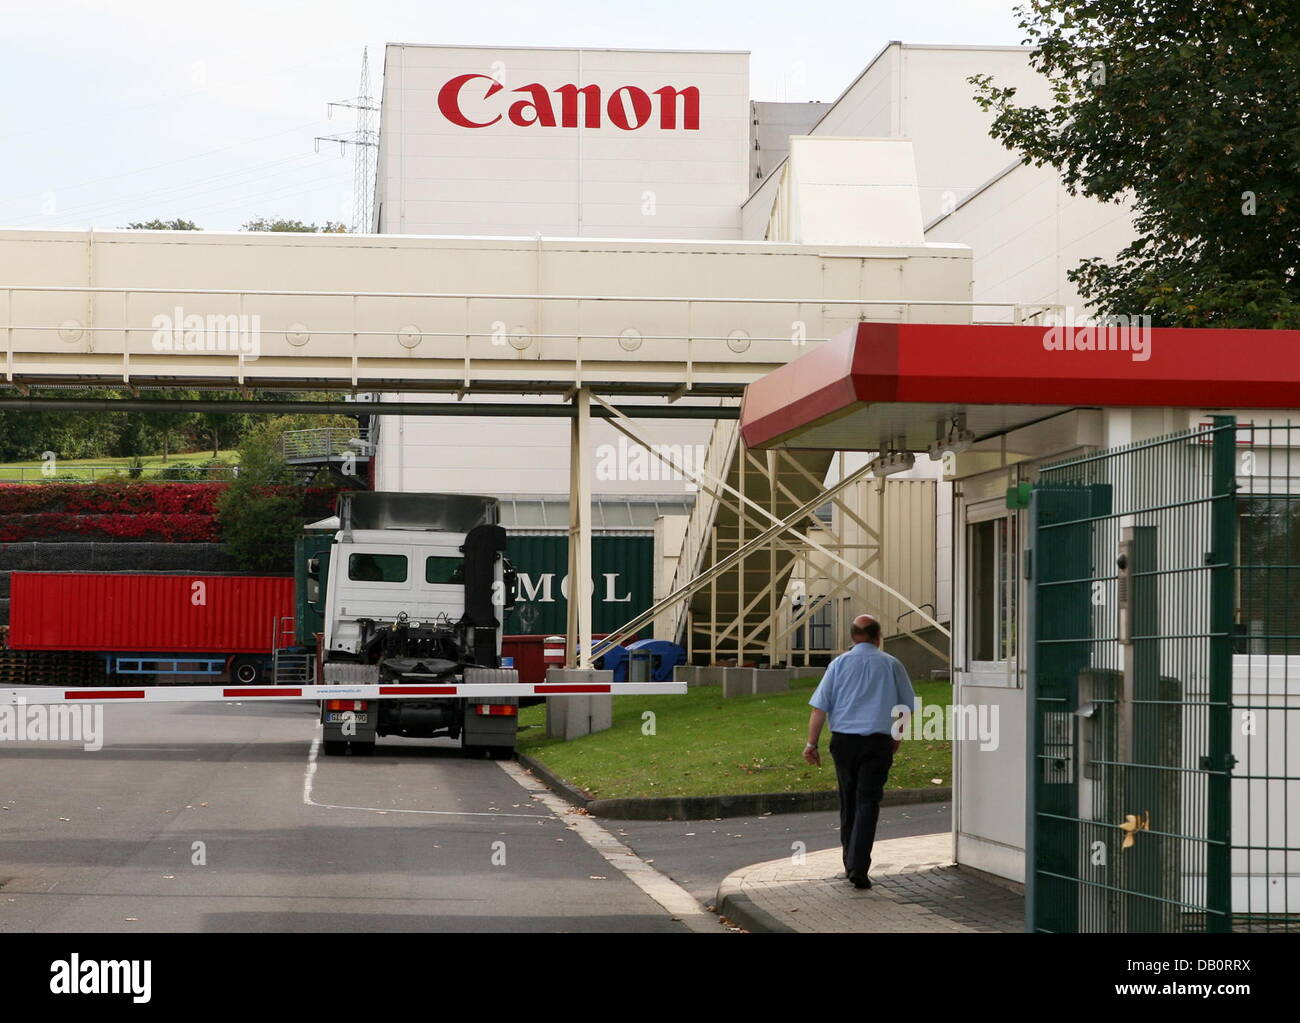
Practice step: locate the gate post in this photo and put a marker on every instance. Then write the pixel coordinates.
(1032, 737)
(1222, 558)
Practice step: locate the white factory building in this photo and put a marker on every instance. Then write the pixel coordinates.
(552, 144)
(897, 174)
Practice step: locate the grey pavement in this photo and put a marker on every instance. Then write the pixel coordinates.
(698, 855)
(206, 817)
(916, 888)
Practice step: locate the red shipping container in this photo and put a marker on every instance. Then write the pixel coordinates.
(160, 614)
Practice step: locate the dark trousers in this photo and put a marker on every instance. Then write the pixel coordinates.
(862, 765)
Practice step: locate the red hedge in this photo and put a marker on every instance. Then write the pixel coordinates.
(179, 528)
(114, 509)
(111, 496)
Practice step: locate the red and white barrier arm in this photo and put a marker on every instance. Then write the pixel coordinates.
(228, 694)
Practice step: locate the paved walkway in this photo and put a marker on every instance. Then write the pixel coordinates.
(915, 887)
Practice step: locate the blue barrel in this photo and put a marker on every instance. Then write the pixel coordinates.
(614, 659)
(663, 656)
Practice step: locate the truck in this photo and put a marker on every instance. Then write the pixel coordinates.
(413, 591)
(401, 594)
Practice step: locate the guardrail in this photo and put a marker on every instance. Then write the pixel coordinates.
(176, 472)
(368, 340)
(324, 442)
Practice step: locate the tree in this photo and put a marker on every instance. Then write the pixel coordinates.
(223, 429)
(167, 431)
(164, 225)
(28, 434)
(259, 514)
(284, 224)
(1187, 109)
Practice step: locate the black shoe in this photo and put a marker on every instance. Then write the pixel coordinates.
(861, 881)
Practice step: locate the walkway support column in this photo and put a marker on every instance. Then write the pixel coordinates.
(578, 639)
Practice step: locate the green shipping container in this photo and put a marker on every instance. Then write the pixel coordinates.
(622, 572)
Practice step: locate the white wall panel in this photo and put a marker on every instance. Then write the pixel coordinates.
(587, 180)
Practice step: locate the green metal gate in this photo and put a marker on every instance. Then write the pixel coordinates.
(1164, 776)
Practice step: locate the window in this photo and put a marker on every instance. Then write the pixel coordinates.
(444, 571)
(377, 568)
(991, 583)
(1268, 540)
(556, 513)
(529, 514)
(617, 513)
(821, 623)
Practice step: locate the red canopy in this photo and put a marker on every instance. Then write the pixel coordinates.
(898, 386)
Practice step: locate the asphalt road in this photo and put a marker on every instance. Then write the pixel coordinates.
(215, 817)
(409, 840)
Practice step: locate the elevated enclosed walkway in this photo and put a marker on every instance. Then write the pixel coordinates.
(410, 314)
(588, 322)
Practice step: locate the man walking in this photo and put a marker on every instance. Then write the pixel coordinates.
(858, 695)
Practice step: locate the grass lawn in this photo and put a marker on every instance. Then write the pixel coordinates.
(12, 471)
(704, 745)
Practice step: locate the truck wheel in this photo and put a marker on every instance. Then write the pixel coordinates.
(246, 671)
(334, 747)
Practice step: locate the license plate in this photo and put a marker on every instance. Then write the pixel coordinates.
(338, 717)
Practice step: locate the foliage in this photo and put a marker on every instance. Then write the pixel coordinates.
(28, 434)
(168, 430)
(173, 528)
(296, 226)
(123, 508)
(261, 512)
(183, 471)
(177, 224)
(107, 496)
(1187, 110)
(111, 509)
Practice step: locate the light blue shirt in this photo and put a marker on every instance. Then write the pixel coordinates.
(860, 690)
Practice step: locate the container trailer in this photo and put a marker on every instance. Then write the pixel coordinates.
(144, 624)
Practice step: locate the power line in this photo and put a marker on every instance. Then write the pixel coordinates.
(366, 141)
(120, 205)
(169, 163)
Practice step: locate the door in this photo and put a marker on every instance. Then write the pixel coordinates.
(1130, 687)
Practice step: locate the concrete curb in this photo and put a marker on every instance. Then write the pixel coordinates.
(553, 781)
(713, 807)
(738, 908)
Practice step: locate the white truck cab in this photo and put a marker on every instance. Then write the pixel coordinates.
(416, 590)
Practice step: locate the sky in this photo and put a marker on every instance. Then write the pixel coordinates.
(127, 110)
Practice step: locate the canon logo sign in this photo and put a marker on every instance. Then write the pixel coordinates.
(568, 106)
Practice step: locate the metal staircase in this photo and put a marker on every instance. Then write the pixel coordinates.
(291, 665)
(731, 617)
